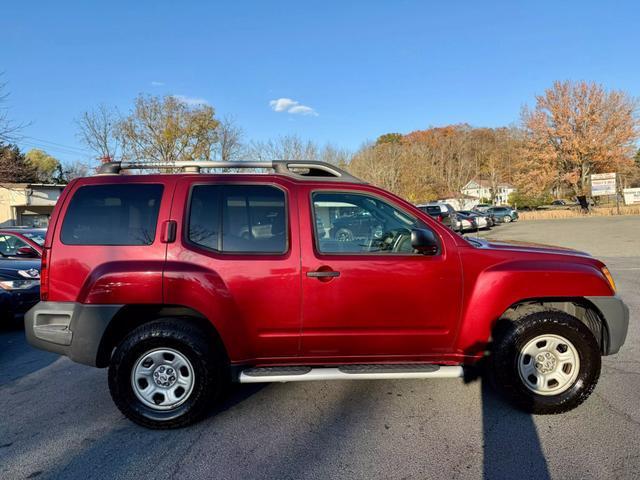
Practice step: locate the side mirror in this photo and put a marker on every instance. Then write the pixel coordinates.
(424, 241)
(26, 252)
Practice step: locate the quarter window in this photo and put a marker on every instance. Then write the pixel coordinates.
(358, 223)
(114, 214)
(238, 218)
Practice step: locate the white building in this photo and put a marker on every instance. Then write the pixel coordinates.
(27, 204)
(481, 189)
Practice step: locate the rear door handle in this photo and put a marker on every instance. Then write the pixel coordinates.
(323, 274)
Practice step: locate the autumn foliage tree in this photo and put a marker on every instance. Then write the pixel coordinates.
(574, 130)
(438, 162)
(166, 129)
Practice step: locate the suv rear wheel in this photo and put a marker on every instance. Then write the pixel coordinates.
(545, 362)
(165, 374)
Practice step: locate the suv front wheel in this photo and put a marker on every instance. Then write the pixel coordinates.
(165, 374)
(546, 362)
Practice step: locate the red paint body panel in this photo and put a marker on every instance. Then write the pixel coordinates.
(109, 274)
(392, 305)
(253, 300)
(382, 308)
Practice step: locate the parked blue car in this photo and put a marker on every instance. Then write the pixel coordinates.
(503, 214)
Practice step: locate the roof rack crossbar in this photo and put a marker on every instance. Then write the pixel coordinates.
(299, 168)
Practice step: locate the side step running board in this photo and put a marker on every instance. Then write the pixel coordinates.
(349, 372)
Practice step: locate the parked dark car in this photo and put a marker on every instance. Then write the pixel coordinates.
(360, 224)
(443, 213)
(19, 287)
(504, 214)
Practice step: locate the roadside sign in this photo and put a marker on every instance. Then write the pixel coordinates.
(603, 184)
(631, 196)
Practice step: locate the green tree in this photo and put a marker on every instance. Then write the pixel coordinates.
(46, 166)
(14, 167)
(522, 200)
(389, 138)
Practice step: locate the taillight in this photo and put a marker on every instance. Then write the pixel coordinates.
(44, 275)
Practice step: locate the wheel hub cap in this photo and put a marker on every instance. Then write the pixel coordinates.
(164, 376)
(548, 364)
(162, 379)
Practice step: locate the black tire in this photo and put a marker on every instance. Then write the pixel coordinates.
(511, 336)
(209, 372)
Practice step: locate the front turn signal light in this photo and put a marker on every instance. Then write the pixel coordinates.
(607, 275)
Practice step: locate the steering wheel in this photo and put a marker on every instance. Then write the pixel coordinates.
(394, 241)
(402, 242)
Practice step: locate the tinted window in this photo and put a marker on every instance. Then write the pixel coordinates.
(238, 218)
(9, 245)
(431, 210)
(112, 215)
(356, 223)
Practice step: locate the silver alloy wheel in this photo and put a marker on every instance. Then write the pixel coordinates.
(507, 219)
(548, 364)
(162, 379)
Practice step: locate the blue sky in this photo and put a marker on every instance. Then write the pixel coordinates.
(363, 67)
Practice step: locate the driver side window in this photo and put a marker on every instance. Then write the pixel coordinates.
(359, 223)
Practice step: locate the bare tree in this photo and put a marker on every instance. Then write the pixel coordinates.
(287, 147)
(8, 128)
(98, 130)
(75, 169)
(229, 142)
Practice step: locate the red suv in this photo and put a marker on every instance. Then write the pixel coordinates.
(180, 283)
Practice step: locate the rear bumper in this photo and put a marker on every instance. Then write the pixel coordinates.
(616, 319)
(69, 328)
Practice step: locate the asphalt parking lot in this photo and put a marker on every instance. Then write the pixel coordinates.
(57, 419)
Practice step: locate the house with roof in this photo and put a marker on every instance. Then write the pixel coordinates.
(481, 189)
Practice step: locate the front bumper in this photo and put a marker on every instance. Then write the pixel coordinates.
(14, 303)
(69, 328)
(615, 315)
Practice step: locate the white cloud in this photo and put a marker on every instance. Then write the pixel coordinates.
(191, 101)
(303, 110)
(291, 106)
(156, 83)
(282, 104)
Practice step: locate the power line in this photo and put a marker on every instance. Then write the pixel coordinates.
(53, 149)
(55, 144)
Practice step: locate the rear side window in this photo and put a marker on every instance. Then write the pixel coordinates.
(238, 218)
(112, 215)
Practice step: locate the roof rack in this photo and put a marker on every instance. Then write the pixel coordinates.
(303, 169)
